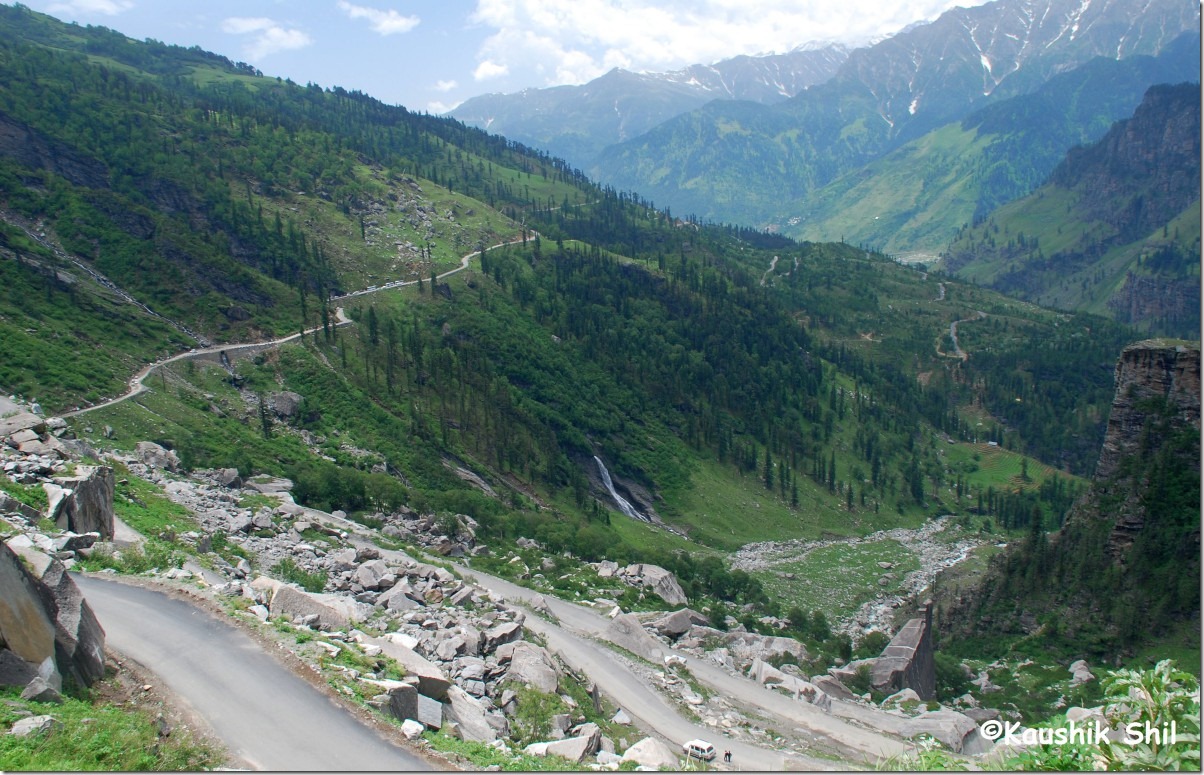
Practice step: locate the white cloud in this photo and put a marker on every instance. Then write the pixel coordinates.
(489, 69)
(387, 22)
(445, 86)
(90, 7)
(269, 37)
(438, 108)
(574, 42)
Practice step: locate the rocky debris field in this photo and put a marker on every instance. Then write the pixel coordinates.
(415, 640)
(933, 551)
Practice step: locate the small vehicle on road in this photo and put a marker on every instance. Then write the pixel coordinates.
(698, 749)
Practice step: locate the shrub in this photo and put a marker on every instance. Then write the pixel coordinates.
(290, 571)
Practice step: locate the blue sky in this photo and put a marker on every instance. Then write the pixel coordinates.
(433, 54)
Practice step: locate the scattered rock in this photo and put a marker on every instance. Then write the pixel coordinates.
(34, 725)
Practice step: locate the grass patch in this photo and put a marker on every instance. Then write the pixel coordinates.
(142, 506)
(290, 571)
(838, 579)
(97, 736)
(29, 494)
(155, 554)
(484, 756)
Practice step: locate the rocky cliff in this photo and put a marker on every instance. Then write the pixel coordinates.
(1151, 376)
(1157, 397)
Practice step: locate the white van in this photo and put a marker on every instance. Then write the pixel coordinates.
(698, 749)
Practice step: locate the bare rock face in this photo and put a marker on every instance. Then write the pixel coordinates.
(26, 629)
(1148, 370)
(1157, 390)
(84, 502)
(47, 593)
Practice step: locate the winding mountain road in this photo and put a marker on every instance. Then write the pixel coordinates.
(574, 637)
(137, 385)
(269, 718)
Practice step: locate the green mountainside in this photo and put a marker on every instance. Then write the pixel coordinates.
(913, 200)
(1115, 230)
(739, 386)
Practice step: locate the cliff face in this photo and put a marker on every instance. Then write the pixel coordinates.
(1157, 396)
(1158, 147)
(1167, 373)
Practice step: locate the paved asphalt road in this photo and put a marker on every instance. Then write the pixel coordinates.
(268, 717)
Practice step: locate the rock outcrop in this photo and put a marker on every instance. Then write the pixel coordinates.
(907, 661)
(1148, 370)
(47, 628)
(83, 503)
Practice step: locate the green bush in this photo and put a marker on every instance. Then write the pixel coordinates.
(287, 570)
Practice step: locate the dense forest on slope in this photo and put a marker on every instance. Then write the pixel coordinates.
(811, 387)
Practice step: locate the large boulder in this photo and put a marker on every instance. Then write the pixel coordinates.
(908, 661)
(654, 754)
(533, 666)
(79, 640)
(286, 404)
(574, 748)
(470, 715)
(157, 456)
(679, 622)
(292, 603)
(370, 574)
(22, 421)
(506, 632)
(747, 647)
(432, 681)
(83, 503)
(626, 631)
(403, 702)
(662, 582)
(832, 687)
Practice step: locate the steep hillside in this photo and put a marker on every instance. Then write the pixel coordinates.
(912, 201)
(734, 163)
(1124, 569)
(576, 122)
(734, 386)
(1115, 230)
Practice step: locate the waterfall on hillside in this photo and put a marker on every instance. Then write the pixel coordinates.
(620, 501)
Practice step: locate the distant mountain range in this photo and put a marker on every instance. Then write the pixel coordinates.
(911, 201)
(906, 141)
(576, 122)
